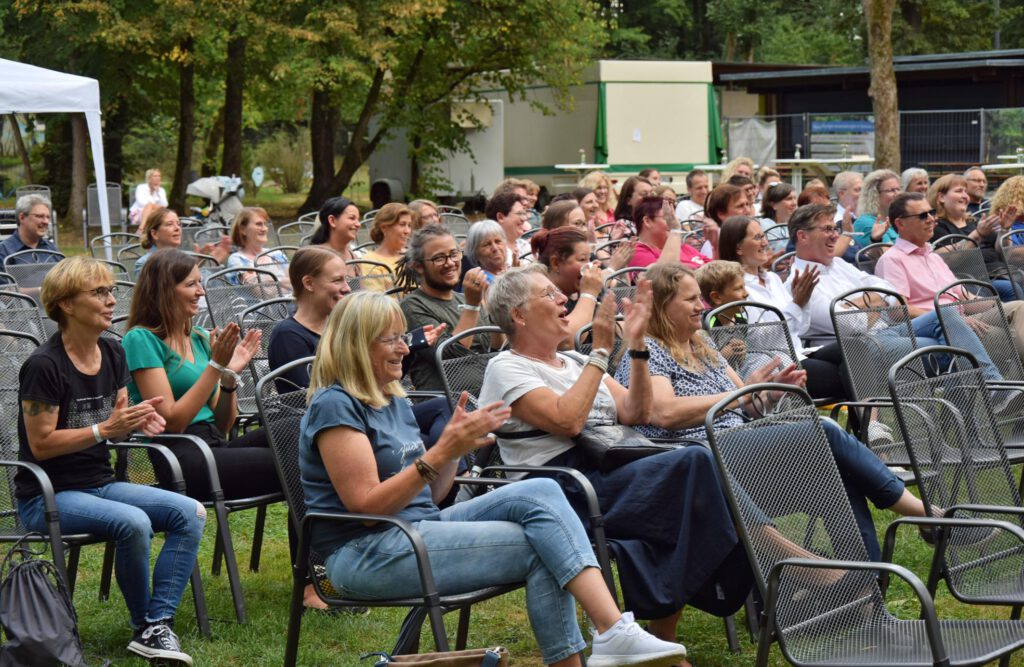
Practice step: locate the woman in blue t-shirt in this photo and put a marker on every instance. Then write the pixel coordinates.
(73, 401)
(360, 450)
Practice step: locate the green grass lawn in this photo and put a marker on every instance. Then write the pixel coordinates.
(341, 640)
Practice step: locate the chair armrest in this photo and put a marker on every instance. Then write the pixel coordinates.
(481, 481)
(928, 615)
(177, 478)
(50, 513)
(216, 492)
(430, 594)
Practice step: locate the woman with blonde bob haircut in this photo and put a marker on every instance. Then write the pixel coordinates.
(360, 450)
(601, 185)
(73, 401)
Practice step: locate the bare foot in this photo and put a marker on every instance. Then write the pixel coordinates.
(310, 600)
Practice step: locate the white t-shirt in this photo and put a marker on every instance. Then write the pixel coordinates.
(510, 376)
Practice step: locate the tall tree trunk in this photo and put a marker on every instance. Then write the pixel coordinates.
(234, 90)
(79, 170)
(323, 129)
(186, 126)
(213, 141)
(20, 143)
(882, 90)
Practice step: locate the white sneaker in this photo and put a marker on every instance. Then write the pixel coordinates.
(627, 644)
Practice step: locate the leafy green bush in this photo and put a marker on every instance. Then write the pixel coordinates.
(283, 160)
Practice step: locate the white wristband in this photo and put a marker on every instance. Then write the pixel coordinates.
(226, 371)
(466, 306)
(587, 295)
(96, 434)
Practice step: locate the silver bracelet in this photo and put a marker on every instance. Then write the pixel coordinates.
(226, 371)
(598, 362)
(96, 435)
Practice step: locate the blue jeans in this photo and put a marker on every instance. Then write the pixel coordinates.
(129, 514)
(927, 326)
(522, 531)
(1005, 289)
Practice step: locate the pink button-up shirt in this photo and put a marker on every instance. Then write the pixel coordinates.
(916, 272)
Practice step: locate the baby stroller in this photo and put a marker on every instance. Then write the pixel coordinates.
(224, 198)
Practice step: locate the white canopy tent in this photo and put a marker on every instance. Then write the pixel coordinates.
(30, 89)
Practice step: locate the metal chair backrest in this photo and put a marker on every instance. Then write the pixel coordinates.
(117, 240)
(371, 214)
(7, 281)
(117, 269)
(263, 317)
(306, 240)
(30, 266)
(15, 348)
(125, 291)
(760, 463)
(292, 233)
(444, 209)
(280, 413)
(286, 250)
(782, 264)
(230, 291)
(583, 343)
(622, 283)
(760, 337)
(43, 190)
(462, 369)
(694, 238)
(455, 222)
(369, 274)
(979, 300)
(210, 234)
(959, 459)
(312, 216)
(868, 256)
(871, 339)
(777, 237)
(19, 312)
(129, 255)
(962, 255)
(208, 262)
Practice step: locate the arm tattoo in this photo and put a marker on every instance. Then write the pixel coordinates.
(35, 408)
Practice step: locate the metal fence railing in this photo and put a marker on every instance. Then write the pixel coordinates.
(936, 140)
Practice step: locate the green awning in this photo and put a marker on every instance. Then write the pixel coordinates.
(715, 143)
(601, 131)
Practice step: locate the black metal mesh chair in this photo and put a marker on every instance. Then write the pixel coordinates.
(287, 250)
(622, 284)
(1011, 250)
(958, 454)
(230, 291)
(751, 344)
(116, 241)
(29, 266)
(867, 256)
(462, 369)
(20, 313)
(456, 223)
(281, 413)
(369, 274)
(263, 317)
(871, 340)
(782, 264)
(817, 616)
(979, 300)
(582, 343)
(129, 255)
(7, 281)
(963, 256)
(118, 270)
(209, 234)
(292, 233)
(777, 237)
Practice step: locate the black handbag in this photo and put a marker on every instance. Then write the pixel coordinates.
(36, 612)
(607, 446)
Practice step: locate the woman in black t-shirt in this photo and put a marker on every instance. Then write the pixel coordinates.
(73, 399)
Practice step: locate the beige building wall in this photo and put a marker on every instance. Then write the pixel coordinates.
(739, 104)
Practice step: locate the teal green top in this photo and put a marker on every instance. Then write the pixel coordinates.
(145, 350)
(863, 225)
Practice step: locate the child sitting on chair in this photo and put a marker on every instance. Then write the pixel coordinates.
(721, 282)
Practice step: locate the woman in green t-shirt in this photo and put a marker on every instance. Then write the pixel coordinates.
(196, 374)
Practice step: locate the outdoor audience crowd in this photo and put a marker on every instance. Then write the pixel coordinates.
(368, 322)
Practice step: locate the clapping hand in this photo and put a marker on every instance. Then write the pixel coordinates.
(126, 419)
(470, 430)
(432, 332)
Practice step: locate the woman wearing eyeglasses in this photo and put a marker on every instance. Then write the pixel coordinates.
(249, 233)
(872, 224)
(73, 401)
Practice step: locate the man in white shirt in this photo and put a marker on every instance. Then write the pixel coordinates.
(697, 186)
(847, 186)
(814, 230)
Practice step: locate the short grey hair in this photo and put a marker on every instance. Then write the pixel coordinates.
(975, 168)
(478, 233)
(28, 202)
(844, 180)
(510, 290)
(912, 173)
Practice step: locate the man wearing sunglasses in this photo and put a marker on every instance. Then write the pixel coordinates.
(918, 273)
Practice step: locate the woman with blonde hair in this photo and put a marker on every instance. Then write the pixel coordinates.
(73, 401)
(250, 233)
(360, 450)
(743, 166)
(872, 224)
(390, 231)
(424, 212)
(601, 185)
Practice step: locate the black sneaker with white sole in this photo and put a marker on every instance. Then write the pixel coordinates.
(157, 641)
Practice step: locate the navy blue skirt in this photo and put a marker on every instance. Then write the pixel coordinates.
(670, 531)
